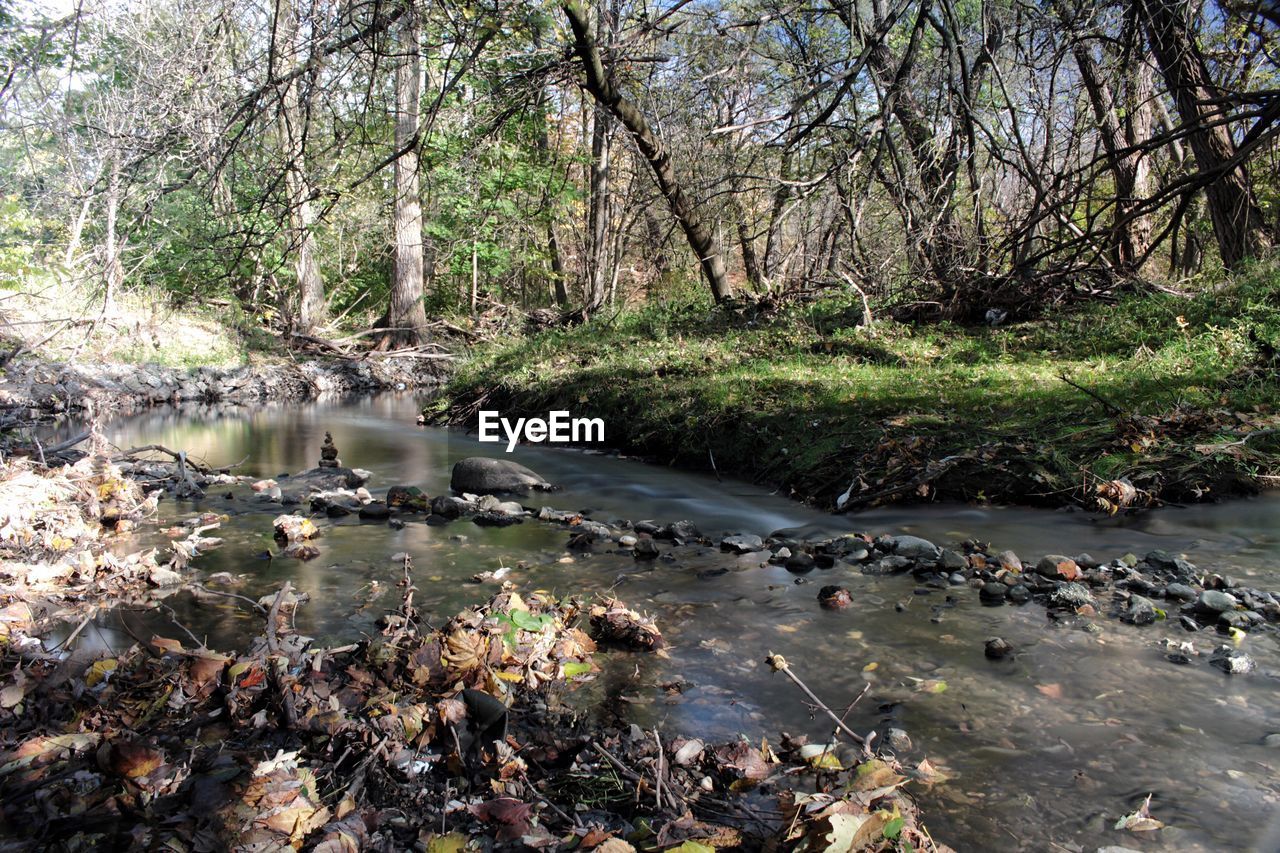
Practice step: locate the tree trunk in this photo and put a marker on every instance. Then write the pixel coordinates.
(311, 301)
(113, 266)
(1131, 235)
(600, 84)
(1238, 224)
(407, 316)
(599, 214)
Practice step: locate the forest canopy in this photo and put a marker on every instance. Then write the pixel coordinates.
(309, 162)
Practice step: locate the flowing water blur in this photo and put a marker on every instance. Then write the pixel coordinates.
(1045, 750)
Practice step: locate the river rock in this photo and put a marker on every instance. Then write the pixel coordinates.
(447, 506)
(1140, 611)
(679, 532)
(375, 511)
(1009, 560)
(1058, 567)
(329, 453)
(303, 485)
(1179, 592)
(799, 563)
(1237, 619)
(890, 565)
(915, 548)
(1231, 660)
(834, 597)
(998, 648)
(514, 508)
(627, 540)
(1211, 601)
(1071, 595)
(482, 475)
(1272, 741)
(408, 497)
(742, 543)
(495, 519)
(646, 549)
(993, 592)
(953, 562)
(898, 739)
(1019, 593)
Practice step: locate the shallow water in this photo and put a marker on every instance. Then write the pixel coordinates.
(1044, 751)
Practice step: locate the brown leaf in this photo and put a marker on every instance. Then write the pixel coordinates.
(133, 760)
(510, 815)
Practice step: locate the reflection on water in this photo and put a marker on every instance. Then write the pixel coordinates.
(1044, 751)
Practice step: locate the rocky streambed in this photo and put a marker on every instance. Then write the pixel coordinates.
(32, 389)
(1051, 695)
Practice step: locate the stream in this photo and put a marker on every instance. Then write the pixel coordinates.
(1045, 750)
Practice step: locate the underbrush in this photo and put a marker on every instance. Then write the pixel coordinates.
(1158, 390)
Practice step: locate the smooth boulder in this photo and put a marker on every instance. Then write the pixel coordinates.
(480, 475)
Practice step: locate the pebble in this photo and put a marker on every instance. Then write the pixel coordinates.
(1232, 661)
(915, 548)
(997, 648)
(993, 592)
(742, 543)
(1213, 601)
(646, 549)
(898, 739)
(799, 563)
(1140, 612)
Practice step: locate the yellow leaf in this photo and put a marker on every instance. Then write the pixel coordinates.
(99, 671)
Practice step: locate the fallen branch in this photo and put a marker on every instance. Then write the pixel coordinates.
(779, 664)
(128, 456)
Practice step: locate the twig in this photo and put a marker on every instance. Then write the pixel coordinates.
(1111, 407)
(273, 646)
(67, 642)
(173, 617)
(618, 765)
(779, 664)
(657, 772)
(273, 642)
(70, 442)
(554, 808)
(243, 598)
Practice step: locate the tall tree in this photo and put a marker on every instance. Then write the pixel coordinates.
(1238, 223)
(407, 316)
(295, 113)
(1124, 129)
(601, 86)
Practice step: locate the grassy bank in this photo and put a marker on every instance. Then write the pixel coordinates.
(1158, 391)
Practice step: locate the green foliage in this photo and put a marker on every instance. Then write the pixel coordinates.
(802, 398)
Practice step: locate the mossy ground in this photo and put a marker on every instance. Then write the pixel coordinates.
(807, 399)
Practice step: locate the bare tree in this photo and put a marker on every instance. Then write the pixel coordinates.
(1238, 224)
(601, 86)
(407, 316)
(295, 110)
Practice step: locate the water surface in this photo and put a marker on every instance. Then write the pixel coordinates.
(1044, 751)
